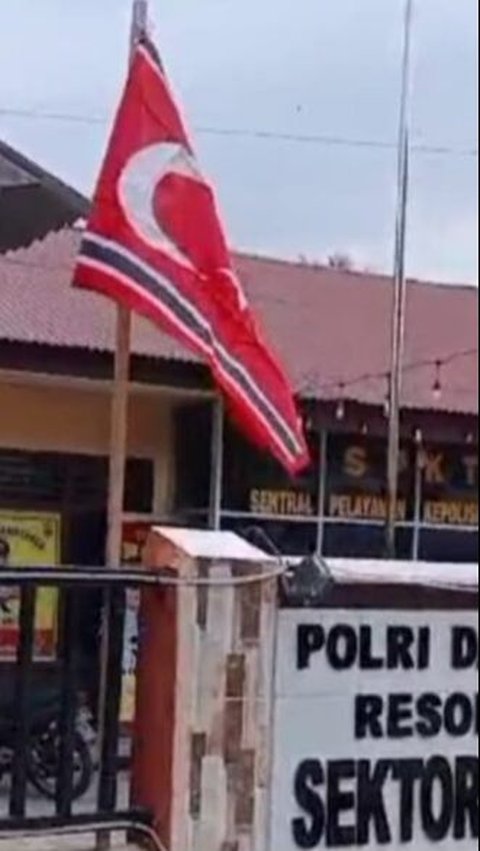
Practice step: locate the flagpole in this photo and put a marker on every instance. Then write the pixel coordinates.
(400, 291)
(118, 450)
(119, 411)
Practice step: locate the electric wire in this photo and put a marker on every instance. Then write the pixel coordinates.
(254, 133)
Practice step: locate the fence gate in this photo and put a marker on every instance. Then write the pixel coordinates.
(59, 773)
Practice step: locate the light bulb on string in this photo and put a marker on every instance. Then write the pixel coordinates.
(386, 403)
(437, 388)
(340, 410)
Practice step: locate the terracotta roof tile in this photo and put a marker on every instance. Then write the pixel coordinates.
(329, 327)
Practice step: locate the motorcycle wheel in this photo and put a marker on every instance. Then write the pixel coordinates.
(44, 763)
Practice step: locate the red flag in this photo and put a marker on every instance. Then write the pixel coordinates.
(154, 242)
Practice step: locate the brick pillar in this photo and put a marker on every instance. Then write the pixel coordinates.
(221, 752)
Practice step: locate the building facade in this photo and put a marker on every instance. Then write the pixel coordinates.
(338, 507)
(187, 463)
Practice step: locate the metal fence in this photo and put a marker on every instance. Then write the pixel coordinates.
(41, 745)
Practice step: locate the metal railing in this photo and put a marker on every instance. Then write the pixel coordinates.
(48, 743)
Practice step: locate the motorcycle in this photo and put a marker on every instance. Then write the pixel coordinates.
(44, 745)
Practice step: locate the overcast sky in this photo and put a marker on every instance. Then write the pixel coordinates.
(297, 67)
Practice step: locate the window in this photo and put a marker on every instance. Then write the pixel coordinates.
(193, 445)
(287, 538)
(364, 540)
(70, 482)
(139, 486)
(28, 479)
(449, 545)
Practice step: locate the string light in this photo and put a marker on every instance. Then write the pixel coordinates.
(364, 429)
(437, 388)
(386, 404)
(340, 411)
(418, 436)
(308, 424)
(313, 383)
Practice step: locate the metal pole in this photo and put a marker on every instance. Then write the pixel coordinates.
(419, 453)
(322, 487)
(400, 291)
(216, 476)
(118, 450)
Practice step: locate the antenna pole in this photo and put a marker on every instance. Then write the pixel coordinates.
(399, 292)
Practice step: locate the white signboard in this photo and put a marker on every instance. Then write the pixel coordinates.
(376, 730)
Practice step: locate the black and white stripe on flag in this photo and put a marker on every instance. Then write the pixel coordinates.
(129, 270)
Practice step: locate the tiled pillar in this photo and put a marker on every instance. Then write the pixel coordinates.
(223, 706)
(230, 712)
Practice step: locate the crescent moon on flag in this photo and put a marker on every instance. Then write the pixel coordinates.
(136, 189)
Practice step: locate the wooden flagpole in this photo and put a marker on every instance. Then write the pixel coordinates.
(118, 449)
(119, 412)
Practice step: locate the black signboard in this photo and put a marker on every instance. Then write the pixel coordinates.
(255, 483)
(450, 486)
(356, 480)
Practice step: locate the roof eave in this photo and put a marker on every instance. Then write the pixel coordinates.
(38, 207)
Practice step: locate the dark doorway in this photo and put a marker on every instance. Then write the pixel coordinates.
(85, 545)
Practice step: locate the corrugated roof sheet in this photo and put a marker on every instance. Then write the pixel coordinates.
(32, 201)
(328, 326)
